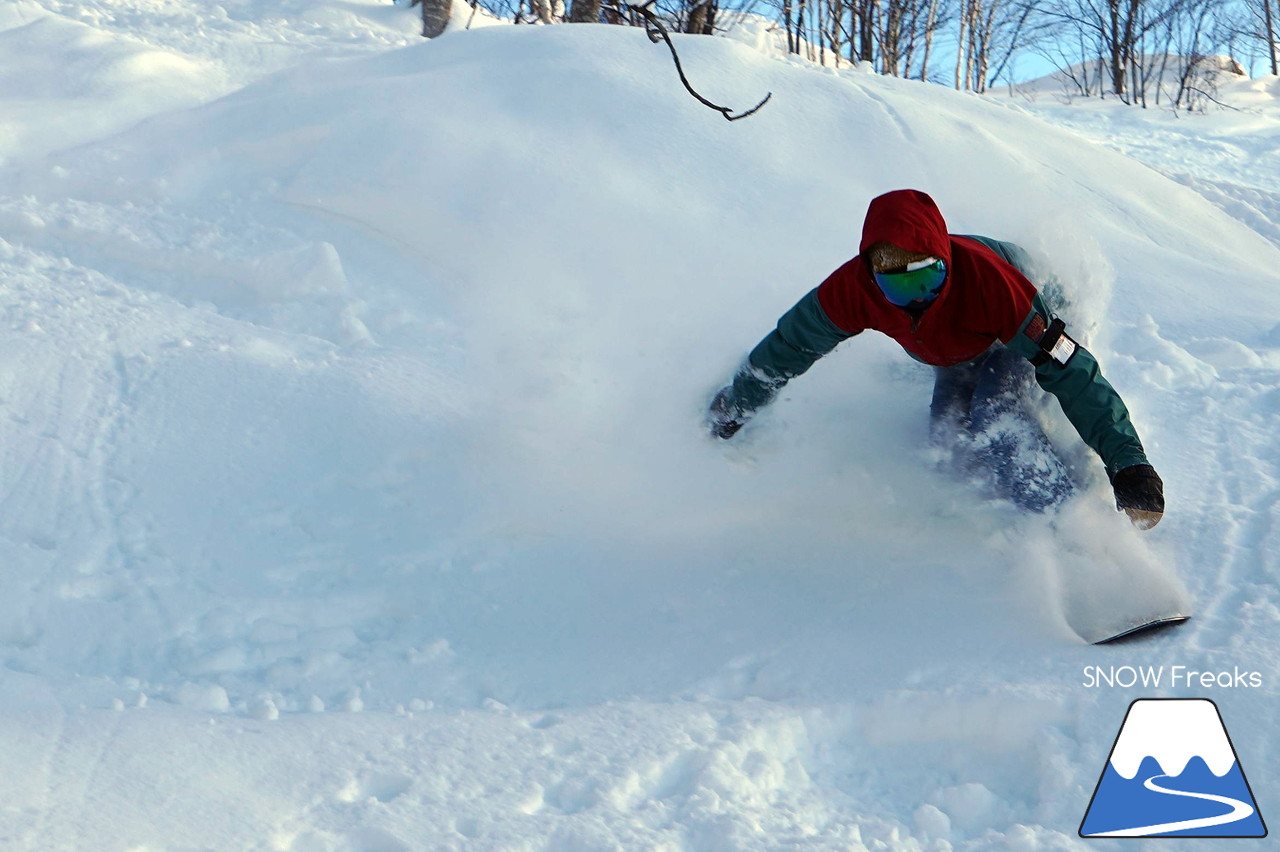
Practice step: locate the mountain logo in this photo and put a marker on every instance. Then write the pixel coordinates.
(1173, 772)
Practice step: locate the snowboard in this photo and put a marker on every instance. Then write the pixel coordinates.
(1109, 584)
(1142, 630)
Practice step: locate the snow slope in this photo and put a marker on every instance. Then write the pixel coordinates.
(356, 495)
(1228, 152)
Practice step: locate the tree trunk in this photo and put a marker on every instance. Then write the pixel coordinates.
(929, 24)
(1130, 42)
(1115, 49)
(435, 16)
(800, 33)
(836, 10)
(975, 48)
(585, 12)
(1271, 36)
(983, 28)
(889, 41)
(697, 19)
(910, 34)
(867, 39)
(702, 19)
(543, 9)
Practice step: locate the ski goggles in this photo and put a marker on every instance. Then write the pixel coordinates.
(920, 281)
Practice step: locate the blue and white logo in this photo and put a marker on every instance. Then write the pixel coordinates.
(1173, 772)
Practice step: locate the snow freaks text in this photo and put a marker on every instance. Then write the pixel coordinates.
(1153, 677)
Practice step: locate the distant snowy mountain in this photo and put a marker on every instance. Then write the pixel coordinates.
(1163, 72)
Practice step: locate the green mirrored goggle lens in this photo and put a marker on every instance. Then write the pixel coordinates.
(915, 285)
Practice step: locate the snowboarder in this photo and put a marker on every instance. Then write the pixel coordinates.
(966, 305)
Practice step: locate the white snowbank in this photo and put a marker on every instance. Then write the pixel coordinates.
(64, 83)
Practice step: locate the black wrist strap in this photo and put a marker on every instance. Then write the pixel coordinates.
(1055, 345)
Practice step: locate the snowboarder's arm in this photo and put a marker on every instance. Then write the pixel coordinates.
(803, 335)
(1092, 405)
(1100, 416)
(1089, 401)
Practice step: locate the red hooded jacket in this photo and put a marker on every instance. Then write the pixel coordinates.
(984, 298)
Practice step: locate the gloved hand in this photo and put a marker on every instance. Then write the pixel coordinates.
(1140, 494)
(725, 417)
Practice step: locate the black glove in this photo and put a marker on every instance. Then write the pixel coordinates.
(725, 418)
(1140, 494)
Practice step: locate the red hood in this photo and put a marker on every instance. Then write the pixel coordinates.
(910, 220)
(985, 298)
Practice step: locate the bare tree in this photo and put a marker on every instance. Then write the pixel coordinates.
(891, 38)
(1012, 26)
(584, 12)
(548, 11)
(1113, 25)
(702, 18)
(1260, 24)
(863, 22)
(1269, 32)
(1194, 44)
(1147, 51)
(932, 20)
(896, 36)
(435, 16)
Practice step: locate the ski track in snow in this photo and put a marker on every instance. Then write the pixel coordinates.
(1236, 547)
(302, 555)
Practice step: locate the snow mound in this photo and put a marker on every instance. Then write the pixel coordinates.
(64, 83)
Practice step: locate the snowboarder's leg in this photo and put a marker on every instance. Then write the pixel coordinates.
(1007, 439)
(953, 389)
